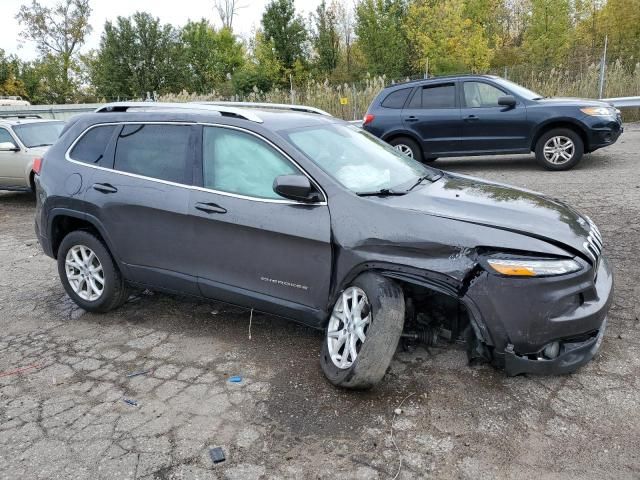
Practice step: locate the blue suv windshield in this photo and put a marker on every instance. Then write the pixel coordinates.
(518, 89)
(356, 159)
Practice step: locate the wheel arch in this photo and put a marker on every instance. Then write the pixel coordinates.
(435, 281)
(388, 137)
(567, 123)
(63, 221)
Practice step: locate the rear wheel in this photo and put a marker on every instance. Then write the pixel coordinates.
(363, 332)
(559, 149)
(408, 147)
(89, 274)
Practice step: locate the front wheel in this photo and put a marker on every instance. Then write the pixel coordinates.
(559, 149)
(363, 332)
(89, 274)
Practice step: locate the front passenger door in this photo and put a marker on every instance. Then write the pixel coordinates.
(251, 246)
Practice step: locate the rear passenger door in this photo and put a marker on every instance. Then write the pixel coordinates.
(140, 196)
(433, 113)
(251, 246)
(489, 127)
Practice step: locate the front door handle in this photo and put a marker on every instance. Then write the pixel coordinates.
(210, 207)
(105, 187)
(411, 119)
(471, 118)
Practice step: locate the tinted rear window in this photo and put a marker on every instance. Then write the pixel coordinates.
(437, 96)
(91, 146)
(396, 99)
(156, 151)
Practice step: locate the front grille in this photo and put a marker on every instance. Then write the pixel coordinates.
(593, 245)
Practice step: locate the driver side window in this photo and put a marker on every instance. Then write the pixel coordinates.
(480, 94)
(238, 162)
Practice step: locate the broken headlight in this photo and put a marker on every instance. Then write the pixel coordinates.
(533, 268)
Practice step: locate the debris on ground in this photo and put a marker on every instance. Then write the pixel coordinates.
(398, 411)
(217, 455)
(19, 370)
(130, 402)
(235, 379)
(142, 372)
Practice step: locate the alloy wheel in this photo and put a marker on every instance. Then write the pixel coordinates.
(348, 327)
(559, 150)
(404, 149)
(84, 273)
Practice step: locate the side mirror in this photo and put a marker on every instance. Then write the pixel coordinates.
(507, 101)
(8, 147)
(295, 187)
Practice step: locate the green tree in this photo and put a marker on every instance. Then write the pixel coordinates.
(548, 35)
(58, 32)
(382, 36)
(326, 37)
(262, 70)
(210, 55)
(137, 55)
(287, 30)
(442, 35)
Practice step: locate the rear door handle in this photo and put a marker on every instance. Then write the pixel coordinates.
(210, 207)
(471, 118)
(411, 119)
(105, 187)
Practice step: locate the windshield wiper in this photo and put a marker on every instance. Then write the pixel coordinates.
(41, 145)
(432, 177)
(383, 192)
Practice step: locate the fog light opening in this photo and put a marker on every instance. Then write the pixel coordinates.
(551, 350)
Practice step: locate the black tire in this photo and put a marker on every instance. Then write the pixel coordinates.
(387, 320)
(115, 291)
(576, 156)
(416, 151)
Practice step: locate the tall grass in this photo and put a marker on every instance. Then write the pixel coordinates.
(620, 81)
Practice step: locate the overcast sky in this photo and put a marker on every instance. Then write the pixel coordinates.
(176, 12)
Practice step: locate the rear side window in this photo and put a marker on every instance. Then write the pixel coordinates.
(396, 99)
(432, 97)
(238, 162)
(92, 145)
(156, 151)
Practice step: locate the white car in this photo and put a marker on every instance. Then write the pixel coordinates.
(22, 139)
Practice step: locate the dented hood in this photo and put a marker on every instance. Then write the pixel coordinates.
(500, 206)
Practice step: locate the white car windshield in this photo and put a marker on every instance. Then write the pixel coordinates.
(356, 159)
(38, 134)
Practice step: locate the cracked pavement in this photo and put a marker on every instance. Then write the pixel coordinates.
(64, 416)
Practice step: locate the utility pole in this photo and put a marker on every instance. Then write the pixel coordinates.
(603, 66)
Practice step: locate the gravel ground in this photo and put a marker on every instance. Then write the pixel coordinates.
(65, 417)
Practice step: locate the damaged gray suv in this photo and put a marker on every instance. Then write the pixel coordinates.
(301, 215)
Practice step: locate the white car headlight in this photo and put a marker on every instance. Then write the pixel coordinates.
(599, 111)
(533, 268)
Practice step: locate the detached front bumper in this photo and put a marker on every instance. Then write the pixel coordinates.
(573, 354)
(519, 318)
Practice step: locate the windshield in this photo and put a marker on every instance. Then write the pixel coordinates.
(357, 160)
(38, 134)
(519, 90)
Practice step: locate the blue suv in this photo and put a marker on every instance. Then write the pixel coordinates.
(488, 115)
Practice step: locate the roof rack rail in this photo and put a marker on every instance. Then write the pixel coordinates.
(19, 115)
(276, 106)
(160, 106)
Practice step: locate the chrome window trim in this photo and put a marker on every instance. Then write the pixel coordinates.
(67, 157)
